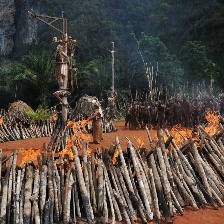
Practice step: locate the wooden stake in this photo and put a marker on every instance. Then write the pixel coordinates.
(82, 186)
(43, 190)
(140, 182)
(28, 193)
(34, 198)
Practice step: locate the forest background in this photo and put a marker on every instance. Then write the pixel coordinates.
(182, 41)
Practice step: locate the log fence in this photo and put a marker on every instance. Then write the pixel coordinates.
(132, 185)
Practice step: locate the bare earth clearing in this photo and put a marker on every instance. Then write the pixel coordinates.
(202, 216)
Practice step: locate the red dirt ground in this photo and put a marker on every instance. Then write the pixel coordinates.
(202, 216)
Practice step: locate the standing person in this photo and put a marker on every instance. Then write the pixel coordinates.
(97, 124)
(62, 63)
(111, 102)
(127, 116)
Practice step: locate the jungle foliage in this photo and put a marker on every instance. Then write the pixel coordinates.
(184, 39)
(38, 115)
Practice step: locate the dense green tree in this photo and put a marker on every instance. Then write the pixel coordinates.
(156, 53)
(124, 74)
(153, 49)
(213, 72)
(95, 78)
(171, 72)
(8, 84)
(196, 63)
(38, 76)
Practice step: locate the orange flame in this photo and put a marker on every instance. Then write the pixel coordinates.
(29, 155)
(1, 120)
(54, 117)
(179, 134)
(116, 154)
(140, 142)
(213, 122)
(96, 160)
(77, 138)
(68, 149)
(79, 128)
(89, 151)
(165, 138)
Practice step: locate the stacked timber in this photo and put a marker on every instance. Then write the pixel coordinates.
(16, 126)
(134, 185)
(12, 129)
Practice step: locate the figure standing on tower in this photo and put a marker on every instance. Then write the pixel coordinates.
(62, 64)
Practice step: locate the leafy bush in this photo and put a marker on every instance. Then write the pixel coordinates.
(39, 114)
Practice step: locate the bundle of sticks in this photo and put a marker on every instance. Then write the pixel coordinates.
(15, 129)
(135, 185)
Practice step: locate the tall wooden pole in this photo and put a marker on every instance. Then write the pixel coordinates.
(112, 94)
(58, 138)
(64, 110)
(112, 53)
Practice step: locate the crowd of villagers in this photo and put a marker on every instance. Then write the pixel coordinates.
(187, 112)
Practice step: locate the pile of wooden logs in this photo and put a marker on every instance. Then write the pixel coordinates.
(134, 185)
(14, 128)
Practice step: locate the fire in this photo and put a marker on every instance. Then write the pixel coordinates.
(212, 118)
(183, 132)
(79, 130)
(140, 142)
(68, 149)
(213, 122)
(1, 120)
(54, 117)
(29, 155)
(179, 133)
(165, 138)
(96, 159)
(77, 138)
(89, 151)
(116, 154)
(70, 124)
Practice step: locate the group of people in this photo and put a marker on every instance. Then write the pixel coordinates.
(186, 112)
(159, 114)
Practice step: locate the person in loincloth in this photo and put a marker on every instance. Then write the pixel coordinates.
(97, 125)
(62, 63)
